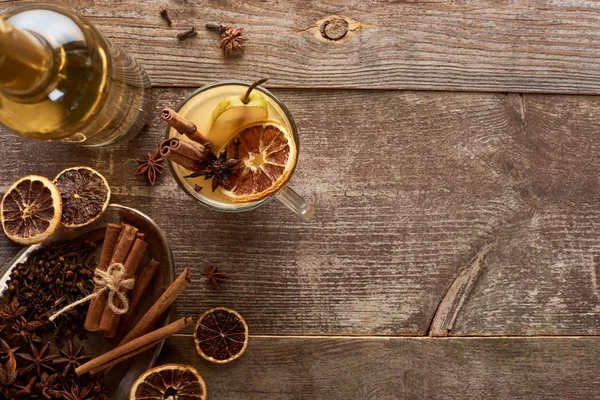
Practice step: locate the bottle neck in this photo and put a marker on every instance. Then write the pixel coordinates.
(25, 61)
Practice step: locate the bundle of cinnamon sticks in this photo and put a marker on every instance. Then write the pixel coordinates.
(123, 244)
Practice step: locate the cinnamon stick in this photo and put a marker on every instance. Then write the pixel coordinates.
(187, 149)
(141, 284)
(121, 250)
(129, 350)
(113, 232)
(182, 153)
(106, 367)
(109, 321)
(182, 125)
(159, 308)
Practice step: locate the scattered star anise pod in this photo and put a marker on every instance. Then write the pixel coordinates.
(74, 392)
(151, 165)
(71, 359)
(214, 276)
(37, 359)
(50, 386)
(13, 310)
(231, 38)
(220, 169)
(25, 331)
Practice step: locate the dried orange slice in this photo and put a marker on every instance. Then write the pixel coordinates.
(31, 210)
(221, 335)
(169, 381)
(267, 154)
(85, 195)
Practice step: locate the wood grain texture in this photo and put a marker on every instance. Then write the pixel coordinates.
(447, 311)
(400, 368)
(524, 46)
(406, 196)
(545, 266)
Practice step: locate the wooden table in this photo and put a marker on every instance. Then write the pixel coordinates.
(452, 152)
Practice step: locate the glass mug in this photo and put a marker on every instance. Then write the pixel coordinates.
(198, 107)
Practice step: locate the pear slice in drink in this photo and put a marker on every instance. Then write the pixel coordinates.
(234, 112)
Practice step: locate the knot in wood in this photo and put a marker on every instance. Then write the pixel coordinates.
(334, 29)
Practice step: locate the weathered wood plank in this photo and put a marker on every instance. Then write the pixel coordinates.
(406, 196)
(545, 266)
(526, 46)
(400, 368)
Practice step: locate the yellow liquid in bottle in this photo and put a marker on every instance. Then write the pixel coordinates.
(199, 110)
(92, 94)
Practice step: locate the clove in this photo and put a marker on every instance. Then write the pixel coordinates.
(164, 13)
(187, 33)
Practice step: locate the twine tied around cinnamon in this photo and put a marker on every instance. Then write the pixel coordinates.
(113, 280)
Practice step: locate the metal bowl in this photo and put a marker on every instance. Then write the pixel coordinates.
(120, 378)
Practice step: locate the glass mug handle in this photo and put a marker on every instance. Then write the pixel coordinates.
(297, 204)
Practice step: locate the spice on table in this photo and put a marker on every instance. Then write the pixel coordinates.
(214, 276)
(128, 350)
(38, 359)
(112, 237)
(124, 244)
(187, 33)
(109, 321)
(71, 359)
(50, 386)
(37, 285)
(159, 308)
(164, 13)
(49, 278)
(151, 166)
(141, 284)
(231, 38)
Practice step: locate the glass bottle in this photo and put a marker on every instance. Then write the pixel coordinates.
(61, 79)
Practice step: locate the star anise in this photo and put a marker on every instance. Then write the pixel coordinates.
(37, 359)
(50, 386)
(231, 38)
(12, 310)
(97, 388)
(25, 390)
(25, 331)
(8, 352)
(221, 168)
(214, 276)
(71, 359)
(7, 378)
(74, 392)
(151, 165)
